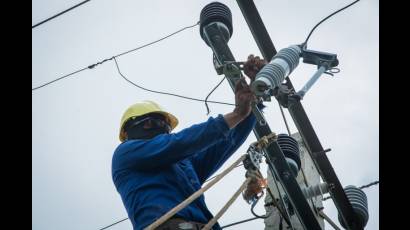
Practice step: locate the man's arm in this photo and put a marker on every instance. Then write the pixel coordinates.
(243, 100)
(167, 149)
(211, 159)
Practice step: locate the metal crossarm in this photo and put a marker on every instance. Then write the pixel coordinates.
(276, 160)
(301, 119)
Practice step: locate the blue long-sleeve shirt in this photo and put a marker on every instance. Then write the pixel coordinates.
(153, 176)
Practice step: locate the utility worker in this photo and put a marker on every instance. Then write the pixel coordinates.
(154, 170)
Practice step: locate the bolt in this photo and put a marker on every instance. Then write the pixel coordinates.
(286, 175)
(331, 186)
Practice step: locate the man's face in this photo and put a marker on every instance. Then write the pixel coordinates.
(147, 127)
(156, 121)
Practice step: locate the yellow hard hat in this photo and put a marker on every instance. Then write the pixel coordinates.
(142, 108)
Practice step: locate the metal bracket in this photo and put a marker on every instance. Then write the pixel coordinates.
(321, 153)
(255, 156)
(319, 58)
(228, 68)
(255, 151)
(282, 94)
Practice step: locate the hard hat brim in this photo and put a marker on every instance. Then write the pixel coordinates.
(171, 119)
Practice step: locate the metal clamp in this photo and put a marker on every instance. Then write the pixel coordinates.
(228, 68)
(254, 152)
(255, 156)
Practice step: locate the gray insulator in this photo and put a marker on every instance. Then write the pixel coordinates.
(358, 199)
(216, 12)
(290, 149)
(316, 190)
(275, 72)
(293, 166)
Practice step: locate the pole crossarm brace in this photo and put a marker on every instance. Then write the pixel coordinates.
(301, 120)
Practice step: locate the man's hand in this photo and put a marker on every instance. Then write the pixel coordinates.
(243, 101)
(252, 66)
(243, 98)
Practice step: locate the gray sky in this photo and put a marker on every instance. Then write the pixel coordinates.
(75, 121)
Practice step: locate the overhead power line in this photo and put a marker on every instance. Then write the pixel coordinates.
(61, 13)
(114, 224)
(118, 55)
(165, 93)
(75, 72)
(129, 81)
(369, 185)
(361, 187)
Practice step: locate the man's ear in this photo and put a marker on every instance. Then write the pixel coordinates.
(124, 134)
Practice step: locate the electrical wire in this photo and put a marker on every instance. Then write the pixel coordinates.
(38, 87)
(239, 222)
(118, 55)
(275, 178)
(148, 44)
(284, 118)
(369, 185)
(324, 19)
(113, 224)
(165, 93)
(129, 81)
(256, 215)
(275, 203)
(61, 13)
(209, 94)
(361, 187)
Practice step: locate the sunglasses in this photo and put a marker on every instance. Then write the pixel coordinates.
(153, 122)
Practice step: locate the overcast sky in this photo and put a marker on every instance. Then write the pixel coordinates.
(75, 121)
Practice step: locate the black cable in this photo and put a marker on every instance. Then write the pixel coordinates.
(275, 203)
(284, 118)
(368, 185)
(206, 99)
(114, 223)
(270, 167)
(187, 27)
(240, 222)
(280, 223)
(304, 43)
(38, 87)
(253, 212)
(165, 93)
(118, 55)
(361, 187)
(65, 11)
